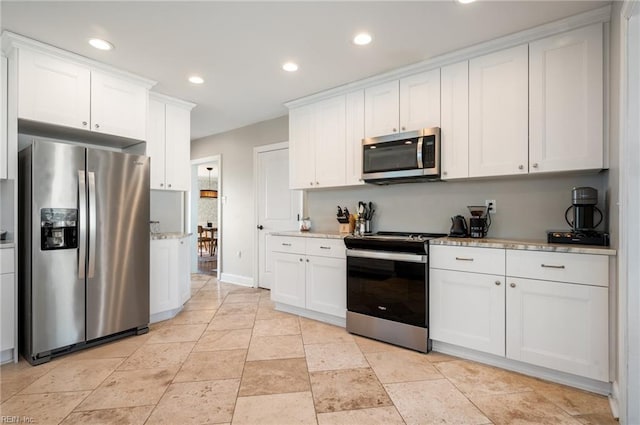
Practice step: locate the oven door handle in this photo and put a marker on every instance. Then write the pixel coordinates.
(385, 255)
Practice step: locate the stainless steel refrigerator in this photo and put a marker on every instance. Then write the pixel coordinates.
(84, 247)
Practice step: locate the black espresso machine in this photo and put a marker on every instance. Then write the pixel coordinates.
(581, 216)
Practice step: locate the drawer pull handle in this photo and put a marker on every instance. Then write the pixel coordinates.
(286, 244)
(551, 266)
(464, 259)
(325, 247)
(382, 308)
(497, 283)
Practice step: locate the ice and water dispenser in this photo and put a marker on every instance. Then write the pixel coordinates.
(58, 228)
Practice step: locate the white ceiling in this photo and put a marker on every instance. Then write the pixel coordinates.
(239, 47)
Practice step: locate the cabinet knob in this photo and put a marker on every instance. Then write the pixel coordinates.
(497, 283)
(317, 183)
(311, 183)
(394, 130)
(161, 184)
(534, 165)
(169, 184)
(520, 167)
(97, 125)
(181, 243)
(84, 123)
(300, 260)
(444, 173)
(403, 128)
(513, 285)
(307, 260)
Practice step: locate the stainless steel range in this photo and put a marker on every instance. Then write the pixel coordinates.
(388, 287)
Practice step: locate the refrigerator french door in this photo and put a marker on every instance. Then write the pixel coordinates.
(84, 245)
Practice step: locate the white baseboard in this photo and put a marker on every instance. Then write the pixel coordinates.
(164, 315)
(237, 279)
(321, 317)
(614, 398)
(6, 356)
(587, 384)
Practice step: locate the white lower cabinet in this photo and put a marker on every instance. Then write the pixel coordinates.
(546, 309)
(169, 277)
(7, 305)
(313, 277)
(467, 309)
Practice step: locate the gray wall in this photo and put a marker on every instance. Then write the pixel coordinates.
(207, 207)
(238, 215)
(527, 206)
(167, 207)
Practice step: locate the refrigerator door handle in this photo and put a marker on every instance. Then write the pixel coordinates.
(92, 225)
(82, 237)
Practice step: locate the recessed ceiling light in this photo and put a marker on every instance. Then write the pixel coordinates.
(196, 79)
(362, 39)
(100, 44)
(290, 67)
(465, 1)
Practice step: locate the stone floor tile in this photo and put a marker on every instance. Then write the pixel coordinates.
(349, 389)
(40, 409)
(77, 375)
(274, 377)
(402, 366)
(24, 371)
(374, 416)
(435, 357)
(433, 402)
(267, 313)
(522, 408)
(572, 400)
(232, 339)
(235, 297)
(125, 415)
(369, 345)
(275, 409)
(596, 419)
(121, 348)
(237, 308)
(193, 317)
(129, 389)
(10, 388)
(205, 402)
(314, 332)
(283, 326)
(332, 356)
(231, 321)
(177, 333)
(210, 365)
(475, 379)
(202, 304)
(275, 347)
(162, 355)
(235, 289)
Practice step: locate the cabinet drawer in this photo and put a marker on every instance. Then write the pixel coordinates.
(586, 269)
(467, 259)
(326, 247)
(288, 244)
(6, 261)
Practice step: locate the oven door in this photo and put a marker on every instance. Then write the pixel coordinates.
(388, 285)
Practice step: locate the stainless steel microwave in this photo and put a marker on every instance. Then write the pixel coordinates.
(402, 157)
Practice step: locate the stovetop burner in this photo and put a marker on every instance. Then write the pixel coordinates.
(413, 242)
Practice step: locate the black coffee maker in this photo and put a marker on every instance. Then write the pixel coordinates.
(479, 222)
(583, 204)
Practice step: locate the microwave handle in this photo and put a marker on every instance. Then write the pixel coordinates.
(419, 153)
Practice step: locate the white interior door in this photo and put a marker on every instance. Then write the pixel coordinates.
(278, 206)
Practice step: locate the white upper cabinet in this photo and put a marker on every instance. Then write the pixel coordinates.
(566, 101)
(302, 172)
(409, 104)
(169, 142)
(498, 113)
(60, 91)
(4, 145)
(118, 106)
(53, 90)
(355, 134)
(454, 131)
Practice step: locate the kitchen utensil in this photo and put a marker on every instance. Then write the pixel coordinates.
(458, 227)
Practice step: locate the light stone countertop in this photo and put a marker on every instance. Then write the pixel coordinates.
(7, 244)
(528, 245)
(169, 235)
(323, 235)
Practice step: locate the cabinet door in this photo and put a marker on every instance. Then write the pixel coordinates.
(118, 107)
(561, 326)
(184, 261)
(467, 309)
(565, 85)
(381, 109)
(498, 113)
(302, 172)
(288, 284)
(330, 142)
(156, 143)
(164, 288)
(420, 101)
(327, 285)
(53, 91)
(7, 309)
(454, 131)
(177, 147)
(355, 134)
(4, 146)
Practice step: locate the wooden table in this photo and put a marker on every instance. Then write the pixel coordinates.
(214, 241)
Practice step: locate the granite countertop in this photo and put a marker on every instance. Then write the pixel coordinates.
(323, 235)
(7, 244)
(528, 245)
(169, 235)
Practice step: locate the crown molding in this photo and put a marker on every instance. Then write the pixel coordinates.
(168, 99)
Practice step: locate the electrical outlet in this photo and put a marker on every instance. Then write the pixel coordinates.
(491, 206)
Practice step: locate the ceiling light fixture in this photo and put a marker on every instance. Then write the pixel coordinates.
(290, 67)
(362, 39)
(209, 193)
(465, 1)
(194, 79)
(100, 44)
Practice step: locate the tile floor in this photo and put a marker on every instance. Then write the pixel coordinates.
(229, 357)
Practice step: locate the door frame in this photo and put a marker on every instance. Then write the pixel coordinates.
(192, 225)
(256, 151)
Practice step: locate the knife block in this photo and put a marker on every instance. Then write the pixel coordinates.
(348, 227)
